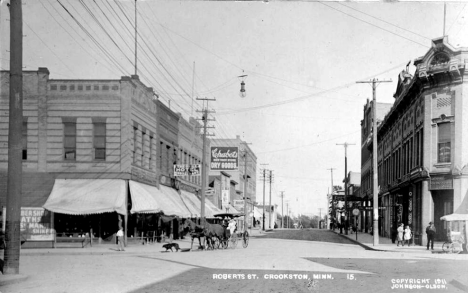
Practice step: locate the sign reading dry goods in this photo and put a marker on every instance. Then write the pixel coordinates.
(224, 158)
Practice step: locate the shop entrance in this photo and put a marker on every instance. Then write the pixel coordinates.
(443, 205)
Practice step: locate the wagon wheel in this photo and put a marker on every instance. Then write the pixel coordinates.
(456, 247)
(446, 247)
(234, 240)
(245, 239)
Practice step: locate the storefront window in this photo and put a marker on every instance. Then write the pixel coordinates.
(444, 147)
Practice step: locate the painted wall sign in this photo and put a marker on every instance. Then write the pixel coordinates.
(224, 158)
(36, 224)
(441, 183)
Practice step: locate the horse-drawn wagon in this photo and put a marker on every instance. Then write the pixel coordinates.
(217, 235)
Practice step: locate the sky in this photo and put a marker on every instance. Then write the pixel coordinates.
(301, 60)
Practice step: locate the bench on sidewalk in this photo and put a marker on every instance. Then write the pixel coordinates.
(73, 238)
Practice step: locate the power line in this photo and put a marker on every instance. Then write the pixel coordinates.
(357, 18)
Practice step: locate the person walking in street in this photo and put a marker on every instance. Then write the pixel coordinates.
(407, 237)
(400, 231)
(431, 232)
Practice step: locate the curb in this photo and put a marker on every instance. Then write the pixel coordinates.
(359, 243)
(12, 279)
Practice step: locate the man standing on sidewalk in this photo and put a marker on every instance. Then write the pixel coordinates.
(430, 231)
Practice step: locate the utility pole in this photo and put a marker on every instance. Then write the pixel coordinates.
(346, 183)
(205, 120)
(375, 202)
(269, 203)
(246, 177)
(282, 213)
(15, 124)
(264, 181)
(320, 218)
(136, 40)
(333, 213)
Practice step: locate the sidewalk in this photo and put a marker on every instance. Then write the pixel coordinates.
(70, 249)
(366, 240)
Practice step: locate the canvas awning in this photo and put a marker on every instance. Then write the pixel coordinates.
(461, 214)
(194, 203)
(87, 196)
(142, 199)
(170, 201)
(213, 209)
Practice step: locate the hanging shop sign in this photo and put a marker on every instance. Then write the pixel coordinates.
(224, 158)
(225, 198)
(187, 170)
(239, 203)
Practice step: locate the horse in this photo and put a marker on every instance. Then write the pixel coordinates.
(195, 230)
(215, 231)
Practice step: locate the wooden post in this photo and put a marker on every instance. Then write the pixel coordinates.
(15, 124)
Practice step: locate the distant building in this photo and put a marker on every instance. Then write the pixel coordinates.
(238, 175)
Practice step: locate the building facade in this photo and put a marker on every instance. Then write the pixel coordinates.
(98, 154)
(422, 141)
(246, 156)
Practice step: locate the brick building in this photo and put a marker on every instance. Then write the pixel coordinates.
(422, 142)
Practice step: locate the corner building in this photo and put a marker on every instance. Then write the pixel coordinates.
(423, 144)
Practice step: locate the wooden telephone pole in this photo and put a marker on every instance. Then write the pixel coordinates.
(375, 202)
(15, 147)
(205, 120)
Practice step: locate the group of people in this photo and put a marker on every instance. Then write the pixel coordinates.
(404, 235)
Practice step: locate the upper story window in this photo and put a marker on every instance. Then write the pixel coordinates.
(69, 140)
(440, 58)
(443, 143)
(99, 140)
(25, 140)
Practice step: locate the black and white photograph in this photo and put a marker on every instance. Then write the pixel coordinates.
(233, 146)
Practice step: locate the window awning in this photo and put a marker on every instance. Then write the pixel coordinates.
(192, 202)
(142, 199)
(169, 201)
(87, 196)
(211, 206)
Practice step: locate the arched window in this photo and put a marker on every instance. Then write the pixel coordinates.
(440, 58)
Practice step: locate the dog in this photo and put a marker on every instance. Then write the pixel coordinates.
(170, 246)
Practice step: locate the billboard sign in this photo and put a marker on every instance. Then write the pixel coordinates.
(224, 158)
(187, 170)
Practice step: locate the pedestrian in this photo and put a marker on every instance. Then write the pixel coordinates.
(400, 232)
(120, 235)
(394, 233)
(232, 227)
(431, 232)
(407, 236)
